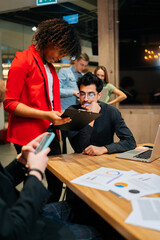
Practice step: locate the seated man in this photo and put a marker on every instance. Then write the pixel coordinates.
(97, 137)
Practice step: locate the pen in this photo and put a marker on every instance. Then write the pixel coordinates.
(115, 193)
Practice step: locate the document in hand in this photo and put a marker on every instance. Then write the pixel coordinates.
(80, 118)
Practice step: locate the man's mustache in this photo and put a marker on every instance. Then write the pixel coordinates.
(86, 103)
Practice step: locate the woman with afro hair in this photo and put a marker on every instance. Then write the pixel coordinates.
(33, 92)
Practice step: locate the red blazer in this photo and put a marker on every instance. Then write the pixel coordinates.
(27, 83)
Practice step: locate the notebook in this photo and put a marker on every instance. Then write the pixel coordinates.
(148, 155)
(80, 118)
(104, 94)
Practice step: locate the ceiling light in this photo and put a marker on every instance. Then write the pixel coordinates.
(34, 29)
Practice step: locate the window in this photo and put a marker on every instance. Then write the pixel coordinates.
(139, 51)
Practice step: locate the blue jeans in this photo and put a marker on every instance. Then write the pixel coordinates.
(63, 213)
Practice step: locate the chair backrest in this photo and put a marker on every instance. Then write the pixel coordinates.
(104, 94)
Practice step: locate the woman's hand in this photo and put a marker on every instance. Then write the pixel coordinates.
(23, 110)
(55, 118)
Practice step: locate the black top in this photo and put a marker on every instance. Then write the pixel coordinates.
(20, 213)
(102, 133)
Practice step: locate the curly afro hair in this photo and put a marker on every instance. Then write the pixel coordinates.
(57, 33)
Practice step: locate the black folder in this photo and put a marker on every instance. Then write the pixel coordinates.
(80, 118)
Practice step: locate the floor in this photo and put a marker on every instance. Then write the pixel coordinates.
(8, 153)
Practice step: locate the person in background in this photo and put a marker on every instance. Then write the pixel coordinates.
(68, 86)
(97, 137)
(101, 72)
(68, 80)
(33, 92)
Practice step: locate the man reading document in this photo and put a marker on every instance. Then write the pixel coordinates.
(97, 137)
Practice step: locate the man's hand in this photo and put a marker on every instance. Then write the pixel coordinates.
(93, 107)
(76, 93)
(95, 151)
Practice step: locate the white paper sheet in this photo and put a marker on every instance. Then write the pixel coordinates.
(135, 186)
(146, 213)
(127, 184)
(100, 178)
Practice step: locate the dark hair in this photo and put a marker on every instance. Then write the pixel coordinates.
(106, 80)
(57, 33)
(83, 56)
(88, 79)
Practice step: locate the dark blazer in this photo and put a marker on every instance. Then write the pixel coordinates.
(20, 213)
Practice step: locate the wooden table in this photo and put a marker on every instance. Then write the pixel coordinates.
(113, 209)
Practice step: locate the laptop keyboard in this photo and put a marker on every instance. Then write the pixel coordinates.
(144, 155)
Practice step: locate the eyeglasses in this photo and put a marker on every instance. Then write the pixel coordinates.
(89, 95)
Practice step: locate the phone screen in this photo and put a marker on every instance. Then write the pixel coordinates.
(45, 142)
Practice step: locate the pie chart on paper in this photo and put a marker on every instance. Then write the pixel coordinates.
(113, 172)
(121, 184)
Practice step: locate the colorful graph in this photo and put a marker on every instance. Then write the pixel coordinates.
(113, 172)
(121, 184)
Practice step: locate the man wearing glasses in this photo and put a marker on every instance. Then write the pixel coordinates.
(97, 137)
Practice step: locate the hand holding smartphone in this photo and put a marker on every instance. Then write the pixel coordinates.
(45, 142)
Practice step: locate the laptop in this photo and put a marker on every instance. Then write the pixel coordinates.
(148, 155)
(104, 94)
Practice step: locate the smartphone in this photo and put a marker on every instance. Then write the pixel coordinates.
(45, 142)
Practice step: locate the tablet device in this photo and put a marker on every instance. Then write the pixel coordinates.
(80, 118)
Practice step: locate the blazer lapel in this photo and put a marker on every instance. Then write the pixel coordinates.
(56, 89)
(41, 67)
